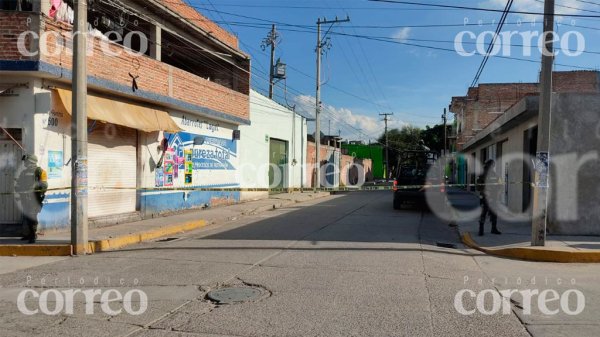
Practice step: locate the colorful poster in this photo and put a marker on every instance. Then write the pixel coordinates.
(159, 180)
(189, 163)
(169, 167)
(189, 167)
(176, 168)
(55, 164)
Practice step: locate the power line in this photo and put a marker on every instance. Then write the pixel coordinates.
(480, 9)
(492, 43)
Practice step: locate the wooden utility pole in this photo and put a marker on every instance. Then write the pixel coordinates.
(542, 165)
(318, 106)
(271, 40)
(79, 136)
(387, 147)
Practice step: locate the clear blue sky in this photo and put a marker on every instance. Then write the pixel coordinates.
(365, 77)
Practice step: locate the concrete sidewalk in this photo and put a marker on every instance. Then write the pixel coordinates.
(121, 235)
(515, 241)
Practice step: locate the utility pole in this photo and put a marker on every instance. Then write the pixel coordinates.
(445, 119)
(387, 148)
(271, 40)
(542, 165)
(320, 46)
(79, 137)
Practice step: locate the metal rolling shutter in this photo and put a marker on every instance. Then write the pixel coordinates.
(112, 170)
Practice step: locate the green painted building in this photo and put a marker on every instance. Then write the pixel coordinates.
(373, 152)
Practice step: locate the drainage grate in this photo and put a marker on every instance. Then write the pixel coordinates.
(234, 295)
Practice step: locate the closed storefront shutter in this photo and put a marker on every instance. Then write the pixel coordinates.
(112, 172)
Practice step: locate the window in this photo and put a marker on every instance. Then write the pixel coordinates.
(16, 5)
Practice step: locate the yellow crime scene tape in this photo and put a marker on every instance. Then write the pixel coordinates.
(387, 187)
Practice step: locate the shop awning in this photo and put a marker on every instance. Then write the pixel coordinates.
(118, 112)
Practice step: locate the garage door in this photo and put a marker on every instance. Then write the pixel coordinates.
(112, 175)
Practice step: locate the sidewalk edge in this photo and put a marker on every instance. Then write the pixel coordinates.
(535, 254)
(144, 236)
(36, 250)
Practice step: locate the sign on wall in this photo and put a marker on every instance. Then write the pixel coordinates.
(207, 153)
(55, 164)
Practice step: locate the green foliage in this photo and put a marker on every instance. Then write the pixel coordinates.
(413, 138)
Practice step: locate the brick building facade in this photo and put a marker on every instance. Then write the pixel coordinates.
(166, 90)
(484, 104)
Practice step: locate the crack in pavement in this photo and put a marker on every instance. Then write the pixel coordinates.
(425, 275)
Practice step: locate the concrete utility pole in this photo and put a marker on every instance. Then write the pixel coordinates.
(387, 148)
(79, 139)
(271, 40)
(320, 45)
(542, 165)
(445, 119)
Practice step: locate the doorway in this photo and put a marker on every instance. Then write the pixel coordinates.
(278, 160)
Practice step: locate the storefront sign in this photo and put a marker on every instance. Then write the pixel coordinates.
(211, 154)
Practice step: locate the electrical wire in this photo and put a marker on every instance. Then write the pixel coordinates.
(492, 43)
(479, 9)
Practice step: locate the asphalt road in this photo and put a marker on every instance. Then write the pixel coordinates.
(346, 265)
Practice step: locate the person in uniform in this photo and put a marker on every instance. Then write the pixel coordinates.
(31, 187)
(487, 184)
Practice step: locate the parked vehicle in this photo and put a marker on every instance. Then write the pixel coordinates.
(417, 172)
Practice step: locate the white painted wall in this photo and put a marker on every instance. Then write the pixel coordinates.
(513, 148)
(270, 120)
(31, 111)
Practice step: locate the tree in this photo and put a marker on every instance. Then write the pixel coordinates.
(407, 138)
(433, 137)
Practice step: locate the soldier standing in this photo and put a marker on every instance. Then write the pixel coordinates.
(31, 186)
(487, 184)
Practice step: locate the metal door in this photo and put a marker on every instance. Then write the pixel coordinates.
(10, 155)
(278, 161)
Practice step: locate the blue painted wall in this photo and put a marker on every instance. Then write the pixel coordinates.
(154, 204)
(56, 211)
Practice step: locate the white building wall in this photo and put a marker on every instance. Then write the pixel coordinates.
(270, 120)
(513, 142)
(46, 134)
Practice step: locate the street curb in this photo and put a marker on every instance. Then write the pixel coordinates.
(36, 250)
(536, 254)
(117, 242)
(144, 236)
(105, 245)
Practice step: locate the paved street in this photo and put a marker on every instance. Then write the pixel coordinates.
(345, 265)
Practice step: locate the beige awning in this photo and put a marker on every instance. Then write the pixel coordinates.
(118, 112)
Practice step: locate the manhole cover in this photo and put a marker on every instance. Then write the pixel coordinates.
(233, 295)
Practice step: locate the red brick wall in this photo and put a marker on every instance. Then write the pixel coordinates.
(367, 173)
(482, 105)
(575, 81)
(12, 24)
(192, 15)
(310, 161)
(154, 76)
